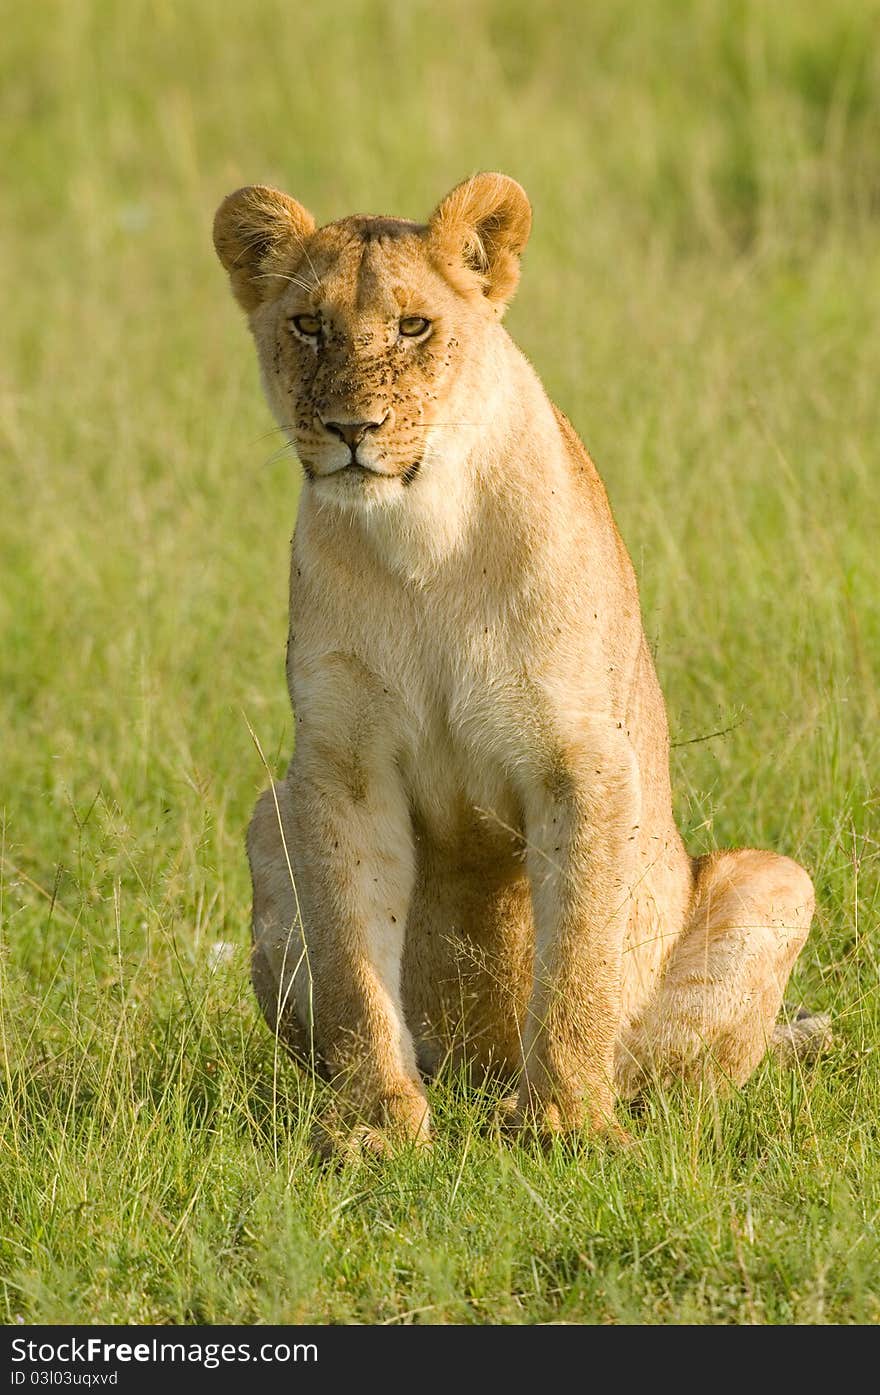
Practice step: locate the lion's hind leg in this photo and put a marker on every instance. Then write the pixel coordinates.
(715, 1011)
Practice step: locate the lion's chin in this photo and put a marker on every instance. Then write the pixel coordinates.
(356, 489)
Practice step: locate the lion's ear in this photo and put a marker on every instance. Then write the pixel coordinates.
(255, 231)
(484, 225)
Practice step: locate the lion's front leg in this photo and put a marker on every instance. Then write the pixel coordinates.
(580, 832)
(349, 844)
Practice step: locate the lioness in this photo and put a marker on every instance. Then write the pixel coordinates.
(473, 854)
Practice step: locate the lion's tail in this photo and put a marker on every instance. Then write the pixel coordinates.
(800, 1035)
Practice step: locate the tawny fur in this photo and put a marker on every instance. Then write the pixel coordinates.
(472, 855)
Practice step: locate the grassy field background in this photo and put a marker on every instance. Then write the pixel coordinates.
(701, 295)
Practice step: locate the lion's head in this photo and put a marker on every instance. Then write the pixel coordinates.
(373, 333)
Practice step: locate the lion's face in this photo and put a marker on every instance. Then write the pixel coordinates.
(358, 351)
(366, 328)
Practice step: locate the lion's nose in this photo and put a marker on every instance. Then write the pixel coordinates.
(351, 432)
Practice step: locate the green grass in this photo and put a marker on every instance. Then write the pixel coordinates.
(701, 295)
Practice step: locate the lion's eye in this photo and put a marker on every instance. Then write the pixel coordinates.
(412, 326)
(309, 325)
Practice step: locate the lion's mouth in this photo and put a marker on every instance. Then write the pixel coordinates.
(356, 469)
(353, 470)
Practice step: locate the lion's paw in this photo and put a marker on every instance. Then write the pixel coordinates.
(397, 1123)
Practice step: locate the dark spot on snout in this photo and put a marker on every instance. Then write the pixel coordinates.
(409, 474)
